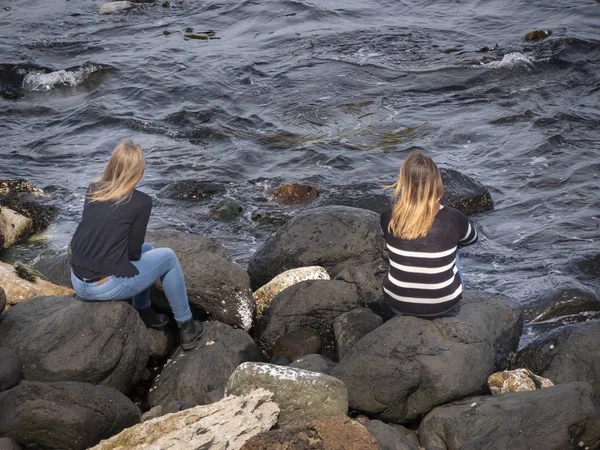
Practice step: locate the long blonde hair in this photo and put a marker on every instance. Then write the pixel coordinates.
(122, 173)
(417, 194)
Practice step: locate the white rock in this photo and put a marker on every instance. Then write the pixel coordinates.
(115, 7)
(519, 380)
(12, 226)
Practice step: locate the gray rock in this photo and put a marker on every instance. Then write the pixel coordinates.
(8, 444)
(66, 339)
(297, 343)
(314, 363)
(193, 376)
(559, 417)
(570, 353)
(11, 369)
(162, 342)
(56, 269)
(310, 304)
(160, 410)
(390, 438)
(326, 237)
(351, 327)
(407, 366)
(2, 300)
(115, 7)
(302, 396)
(64, 415)
(214, 284)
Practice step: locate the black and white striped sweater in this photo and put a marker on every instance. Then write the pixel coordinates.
(423, 278)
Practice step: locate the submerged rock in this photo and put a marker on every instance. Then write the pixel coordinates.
(537, 34)
(225, 425)
(302, 396)
(295, 194)
(191, 190)
(228, 209)
(115, 7)
(564, 303)
(464, 193)
(265, 294)
(519, 380)
(555, 418)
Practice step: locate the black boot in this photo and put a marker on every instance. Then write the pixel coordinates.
(152, 319)
(190, 332)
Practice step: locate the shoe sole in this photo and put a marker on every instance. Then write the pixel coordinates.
(192, 345)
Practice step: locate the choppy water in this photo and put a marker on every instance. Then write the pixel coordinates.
(330, 93)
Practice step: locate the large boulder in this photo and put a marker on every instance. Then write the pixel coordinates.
(198, 376)
(11, 369)
(66, 339)
(332, 237)
(389, 438)
(351, 327)
(567, 354)
(225, 425)
(64, 415)
(310, 304)
(214, 283)
(409, 365)
(314, 363)
(464, 193)
(557, 418)
(303, 396)
(331, 433)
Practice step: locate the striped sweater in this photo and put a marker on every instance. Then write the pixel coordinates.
(423, 278)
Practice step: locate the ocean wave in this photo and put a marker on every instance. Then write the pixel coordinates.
(46, 81)
(511, 60)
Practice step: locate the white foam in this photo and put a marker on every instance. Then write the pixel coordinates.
(40, 81)
(511, 60)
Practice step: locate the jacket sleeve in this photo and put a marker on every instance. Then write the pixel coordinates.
(137, 234)
(466, 229)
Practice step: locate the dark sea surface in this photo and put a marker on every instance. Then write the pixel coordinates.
(330, 93)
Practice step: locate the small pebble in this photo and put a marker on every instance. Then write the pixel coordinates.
(551, 346)
(166, 5)
(166, 32)
(473, 405)
(189, 30)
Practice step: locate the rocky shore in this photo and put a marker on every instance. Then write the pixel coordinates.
(322, 364)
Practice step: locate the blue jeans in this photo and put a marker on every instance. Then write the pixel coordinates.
(154, 264)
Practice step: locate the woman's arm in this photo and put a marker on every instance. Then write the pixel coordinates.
(467, 231)
(137, 234)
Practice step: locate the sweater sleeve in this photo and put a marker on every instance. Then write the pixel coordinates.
(466, 229)
(137, 234)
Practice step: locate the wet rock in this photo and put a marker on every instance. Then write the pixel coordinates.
(591, 266)
(566, 302)
(332, 433)
(297, 344)
(191, 190)
(552, 419)
(162, 342)
(351, 327)
(192, 376)
(3, 301)
(407, 366)
(389, 438)
(519, 380)
(302, 396)
(310, 304)
(8, 444)
(66, 339)
(215, 284)
(160, 410)
(295, 194)
(64, 415)
(228, 209)
(570, 353)
(314, 363)
(464, 193)
(13, 226)
(370, 196)
(269, 218)
(115, 7)
(325, 236)
(56, 269)
(17, 289)
(220, 426)
(537, 34)
(19, 186)
(11, 369)
(265, 294)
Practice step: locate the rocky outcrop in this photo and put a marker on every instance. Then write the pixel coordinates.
(297, 343)
(313, 238)
(11, 369)
(389, 438)
(558, 417)
(310, 304)
(567, 354)
(407, 366)
(198, 376)
(265, 294)
(215, 284)
(519, 380)
(66, 339)
(64, 415)
(351, 327)
(225, 425)
(332, 433)
(302, 396)
(314, 363)
(13, 226)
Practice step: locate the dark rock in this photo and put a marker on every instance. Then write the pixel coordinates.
(8, 444)
(567, 354)
(332, 433)
(194, 375)
(314, 363)
(390, 438)
(564, 303)
(559, 417)
(215, 285)
(228, 209)
(56, 269)
(297, 343)
(537, 34)
(64, 415)
(591, 266)
(464, 193)
(162, 342)
(295, 194)
(2, 300)
(269, 218)
(66, 339)
(172, 407)
(191, 190)
(11, 369)
(310, 304)
(370, 196)
(351, 327)
(325, 237)
(409, 365)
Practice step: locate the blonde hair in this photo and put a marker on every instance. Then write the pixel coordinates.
(417, 194)
(122, 173)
